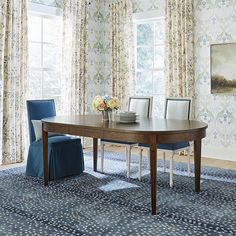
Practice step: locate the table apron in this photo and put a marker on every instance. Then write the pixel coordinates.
(73, 130)
(181, 136)
(125, 136)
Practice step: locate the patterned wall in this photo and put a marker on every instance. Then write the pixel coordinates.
(149, 5)
(98, 47)
(215, 22)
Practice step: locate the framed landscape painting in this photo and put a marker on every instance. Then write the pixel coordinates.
(223, 68)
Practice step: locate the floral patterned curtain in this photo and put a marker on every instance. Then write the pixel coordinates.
(13, 78)
(179, 48)
(122, 50)
(74, 56)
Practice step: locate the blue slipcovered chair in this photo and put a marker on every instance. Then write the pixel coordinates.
(65, 154)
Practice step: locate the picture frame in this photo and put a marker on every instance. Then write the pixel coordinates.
(223, 68)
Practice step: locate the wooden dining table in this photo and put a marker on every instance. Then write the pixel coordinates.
(150, 131)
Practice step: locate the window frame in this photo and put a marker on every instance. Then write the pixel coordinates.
(146, 20)
(43, 12)
(158, 96)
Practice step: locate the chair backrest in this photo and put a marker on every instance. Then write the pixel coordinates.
(141, 105)
(37, 110)
(178, 108)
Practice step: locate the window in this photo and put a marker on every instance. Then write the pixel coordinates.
(44, 57)
(149, 63)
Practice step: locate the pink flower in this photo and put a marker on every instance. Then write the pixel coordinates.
(101, 105)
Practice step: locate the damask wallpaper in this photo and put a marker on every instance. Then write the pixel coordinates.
(149, 5)
(99, 74)
(215, 22)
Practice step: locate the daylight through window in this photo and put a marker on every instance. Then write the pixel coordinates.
(149, 63)
(44, 57)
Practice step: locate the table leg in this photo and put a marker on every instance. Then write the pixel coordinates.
(153, 169)
(45, 156)
(95, 153)
(197, 164)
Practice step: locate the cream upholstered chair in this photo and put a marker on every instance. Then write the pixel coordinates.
(143, 108)
(179, 109)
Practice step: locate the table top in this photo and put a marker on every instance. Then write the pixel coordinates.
(144, 125)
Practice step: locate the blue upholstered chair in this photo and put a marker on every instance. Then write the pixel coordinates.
(175, 108)
(65, 154)
(142, 105)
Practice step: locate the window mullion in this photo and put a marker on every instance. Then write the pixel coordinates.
(135, 56)
(154, 55)
(42, 76)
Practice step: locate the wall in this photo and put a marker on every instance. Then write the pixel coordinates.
(98, 39)
(149, 5)
(215, 22)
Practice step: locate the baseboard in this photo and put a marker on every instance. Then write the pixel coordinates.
(214, 152)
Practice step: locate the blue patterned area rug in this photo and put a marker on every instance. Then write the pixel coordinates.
(110, 204)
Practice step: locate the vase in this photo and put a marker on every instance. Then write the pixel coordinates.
(105, 116)
(110, 115)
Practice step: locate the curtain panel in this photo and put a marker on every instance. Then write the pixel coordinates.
(122, 50)
(13, 79)
(179, 48)
(74, 56)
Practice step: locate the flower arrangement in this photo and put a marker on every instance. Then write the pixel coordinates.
(105, 103)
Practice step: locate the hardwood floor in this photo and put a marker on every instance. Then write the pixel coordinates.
(4, 167)
(205, 161)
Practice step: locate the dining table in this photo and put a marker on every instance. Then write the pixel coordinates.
(151, 131)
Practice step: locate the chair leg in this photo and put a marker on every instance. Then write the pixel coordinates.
(188, 155)
(171, 169)
(140, 163)
(128, 161)
(164, 162)
(126, 155)
(102, 155)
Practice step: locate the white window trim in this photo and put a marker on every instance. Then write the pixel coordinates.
(40, 9)
(150, 15)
